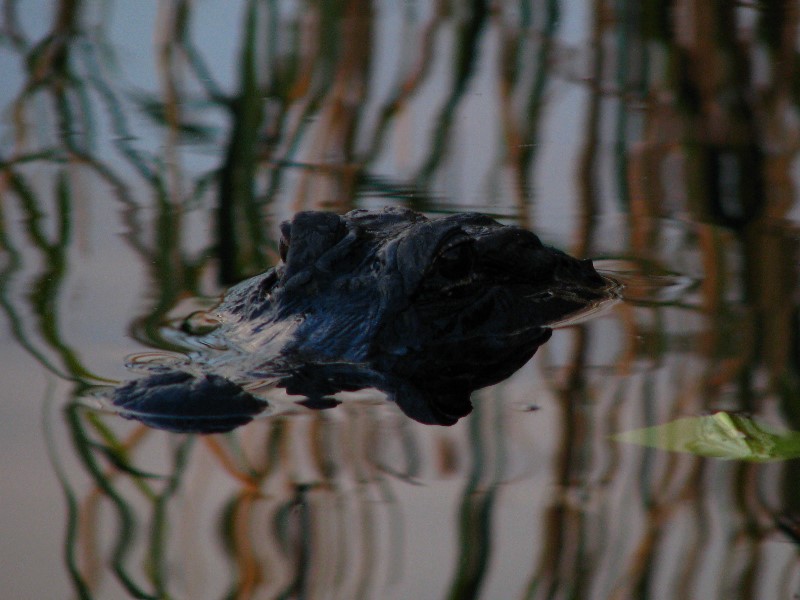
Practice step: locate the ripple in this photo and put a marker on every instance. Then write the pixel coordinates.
(639, 283)
(155, 362)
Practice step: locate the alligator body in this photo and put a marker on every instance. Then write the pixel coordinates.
(427, 310)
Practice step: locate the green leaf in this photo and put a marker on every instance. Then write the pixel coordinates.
(720, 435)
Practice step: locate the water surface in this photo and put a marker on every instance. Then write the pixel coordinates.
(149, 152)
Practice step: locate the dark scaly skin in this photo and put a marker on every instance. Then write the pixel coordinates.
(425, 308)
(391, 282)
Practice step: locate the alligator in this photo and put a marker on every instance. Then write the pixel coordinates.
(427, 310)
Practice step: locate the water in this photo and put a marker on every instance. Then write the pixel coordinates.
(661, 143)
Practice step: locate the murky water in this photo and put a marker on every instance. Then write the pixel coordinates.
(149, 152)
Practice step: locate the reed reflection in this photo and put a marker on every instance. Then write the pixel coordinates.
(683, 174)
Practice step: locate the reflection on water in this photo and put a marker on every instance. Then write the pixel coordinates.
(148, 155)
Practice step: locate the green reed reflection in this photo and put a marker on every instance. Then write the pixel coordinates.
(45, 290)
(684, 169)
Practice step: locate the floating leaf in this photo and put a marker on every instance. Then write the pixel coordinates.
(720, 435)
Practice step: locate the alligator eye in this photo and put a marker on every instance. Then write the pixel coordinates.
(283, 248)
(456, 263)
(286, 239)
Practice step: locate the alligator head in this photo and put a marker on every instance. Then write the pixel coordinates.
(435, 306)
(393, 282)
